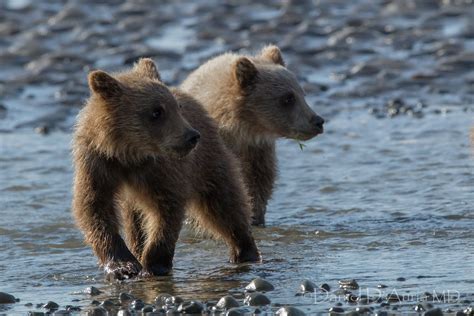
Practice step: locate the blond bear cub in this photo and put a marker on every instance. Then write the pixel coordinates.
(144, 154)
(255, 100)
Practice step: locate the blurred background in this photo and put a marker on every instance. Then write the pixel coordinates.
(384, 195)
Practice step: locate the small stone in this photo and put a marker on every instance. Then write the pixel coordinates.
(401, 279)
(137, 305)
(35, 314)
(124, 312)
(307, 287)
(176, 300)
(95, 303)
(260, 285)
(147, 309)
(290, 311)
(97, 311)
(107, 304)
(325, 287)
(124, 298)
(62, 312)
(381, 286)
(256, 299)
(434, 312)
(51, 305)
(363, 310)
(392, 297)
(162, 299)
(239, 311)
(460, 313)
(381, 313)
(227, 302)
(29, 304)
(351, 298)
(92, 290)
(336, 310)
(191, 307)
(6, 298)
(349, 284)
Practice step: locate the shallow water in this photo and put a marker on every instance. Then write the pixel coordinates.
(383, 194)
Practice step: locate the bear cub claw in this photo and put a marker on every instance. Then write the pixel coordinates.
(122, 270)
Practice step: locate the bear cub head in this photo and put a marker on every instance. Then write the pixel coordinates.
(274, 101)
(139, 114)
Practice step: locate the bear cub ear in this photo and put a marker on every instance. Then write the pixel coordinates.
(273, 53)
(147, 68)
(245, 72)
(104, 84)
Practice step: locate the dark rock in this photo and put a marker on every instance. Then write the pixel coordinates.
(62, 312)
(351, 298)
(401, 279)
(336, 310)
(147, 309)
(97, 311)
(191, 307)
(381, 286)
(240, 311)
(124, 298)
(349, 284)
(434, 312)
(227, 302)
(290, 311)
(124, 312)
(163, 299)
(92, 290)
(260, 285)
(137, 304)
(256, 299)
(6, 298)
(307, 287)
(51, 305)
(108, 305)
(325, 287)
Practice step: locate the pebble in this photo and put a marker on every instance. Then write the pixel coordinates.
(256, 299)
(125, 298)
(191, 307)
(137, 304)
(147, 309)
(240, 311)
(163, 299)
(62, 312)
(290, 311)
(124, 312)
(349, 284)
(97, 311)
(401, 279)
(107, 304)
(6, 298)
(434, 312)
(325, 287)
(336, 310)
(227, 302)
(92, 290)
(260, 285)
(307, 287)
(51, 305)
(35, 313)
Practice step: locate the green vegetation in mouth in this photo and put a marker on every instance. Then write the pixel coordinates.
(302, 146)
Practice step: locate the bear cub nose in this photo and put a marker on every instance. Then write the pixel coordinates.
(192, 137)
(317, 121)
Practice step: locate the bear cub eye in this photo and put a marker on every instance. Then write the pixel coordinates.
(157, 113)
(289, 99)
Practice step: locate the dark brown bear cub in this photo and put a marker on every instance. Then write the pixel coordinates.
(255, 100)
(145, 154)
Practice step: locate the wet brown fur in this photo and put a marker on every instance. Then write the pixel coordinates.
(243, 94)
(126, 165)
